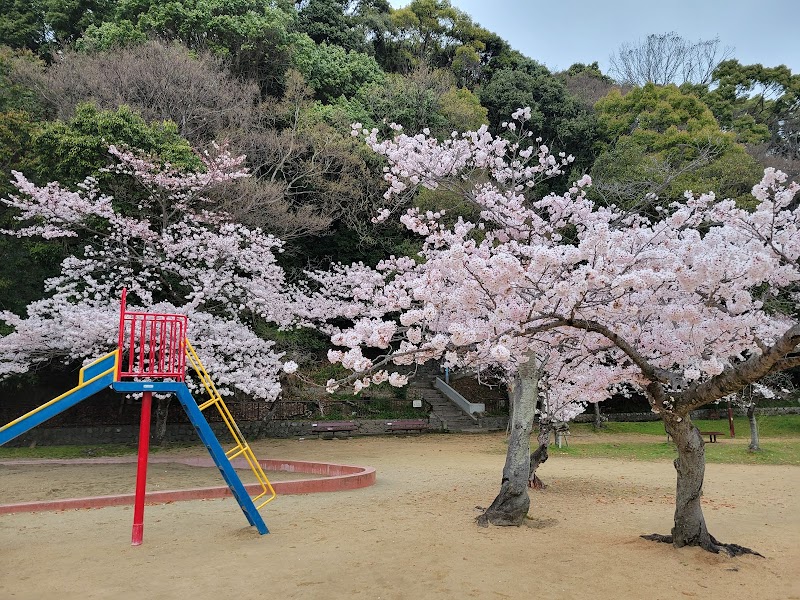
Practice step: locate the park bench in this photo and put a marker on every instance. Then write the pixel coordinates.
(406, 425)
(712, 436)
(329, 429)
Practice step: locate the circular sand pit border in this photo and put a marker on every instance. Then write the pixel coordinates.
(333, 478)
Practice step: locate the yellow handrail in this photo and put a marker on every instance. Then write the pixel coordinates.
(81, 383)
(242, 448)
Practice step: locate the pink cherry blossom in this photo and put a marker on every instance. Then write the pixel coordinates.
(173, 254)
(608, 301)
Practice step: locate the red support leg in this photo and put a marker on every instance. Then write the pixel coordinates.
(141, 470)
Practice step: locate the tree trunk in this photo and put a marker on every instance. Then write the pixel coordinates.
(162, 413)
(598, 419)
(690, 525)
(538, 457)
(751, 417)
(510, 507)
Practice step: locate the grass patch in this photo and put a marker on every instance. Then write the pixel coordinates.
(768, 427)
(621, 450)
(67, 451)
(773, 452)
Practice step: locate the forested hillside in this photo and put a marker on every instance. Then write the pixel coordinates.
(281, 83)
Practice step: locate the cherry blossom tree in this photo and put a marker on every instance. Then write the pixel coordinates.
(439, 310)
(577, 300)
(749, 396)
(174, 255)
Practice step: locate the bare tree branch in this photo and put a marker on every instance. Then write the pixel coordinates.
(663, 58)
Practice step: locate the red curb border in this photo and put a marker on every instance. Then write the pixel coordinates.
(335, 478)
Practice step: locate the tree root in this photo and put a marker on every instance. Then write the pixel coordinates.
(710, 545)
(657, 537)
(497, 518)
(535, 483)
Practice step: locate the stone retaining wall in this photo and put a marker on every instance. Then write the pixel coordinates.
(179, 433)
(253, 430)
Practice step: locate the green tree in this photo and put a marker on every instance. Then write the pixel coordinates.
(462, 110)
(435, 33)
(252, 35)
(593, 70)
(558, 117)
(467, 63)
(68, 19)
(427, 26)
(659, 141)
(328, 21)
(760, 104)
(333, 71)
(16, 132)
(14, 95)
(38, 25)
(424, 98)
(110, 36)
(72, 150)
(373, 18)
(22, 24)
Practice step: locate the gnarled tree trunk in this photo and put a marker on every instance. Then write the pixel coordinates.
(751, 417)
(538, 457)
(690, 524)
(510, 507)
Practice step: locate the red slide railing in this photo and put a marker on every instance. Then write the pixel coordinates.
(151, 345)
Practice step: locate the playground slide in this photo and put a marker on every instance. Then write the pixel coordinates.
(93, 378)
(105, 372)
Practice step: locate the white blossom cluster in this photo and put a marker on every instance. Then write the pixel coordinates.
(172, 254)
(604, 299)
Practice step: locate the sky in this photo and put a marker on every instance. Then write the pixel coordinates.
(559, 34)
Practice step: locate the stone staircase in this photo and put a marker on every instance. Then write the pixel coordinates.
(445, 415)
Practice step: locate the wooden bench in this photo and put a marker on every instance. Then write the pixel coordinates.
(406, 425)
(329, 429)
(712, 435)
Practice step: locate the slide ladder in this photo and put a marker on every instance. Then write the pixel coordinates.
(241, 447)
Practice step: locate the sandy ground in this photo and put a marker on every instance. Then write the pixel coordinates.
(412, 534)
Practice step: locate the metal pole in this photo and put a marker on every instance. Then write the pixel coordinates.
(121, 337)
(141, 470)
(730, 420)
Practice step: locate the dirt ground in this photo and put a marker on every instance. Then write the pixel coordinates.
(412, 535)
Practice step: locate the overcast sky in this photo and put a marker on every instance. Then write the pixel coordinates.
(559, 34)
